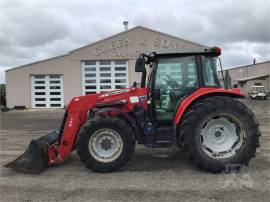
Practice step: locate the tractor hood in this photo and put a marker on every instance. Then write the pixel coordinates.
(122, 96)
(114, 93)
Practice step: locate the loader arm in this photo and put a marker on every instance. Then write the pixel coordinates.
(77, 111)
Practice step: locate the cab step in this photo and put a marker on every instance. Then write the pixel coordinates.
(162, 138)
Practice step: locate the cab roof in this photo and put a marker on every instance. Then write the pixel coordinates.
(215, 51)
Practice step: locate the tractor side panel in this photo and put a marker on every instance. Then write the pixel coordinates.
(131, 97)
(203, 93)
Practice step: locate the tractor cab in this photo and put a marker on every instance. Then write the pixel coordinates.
(175, 75)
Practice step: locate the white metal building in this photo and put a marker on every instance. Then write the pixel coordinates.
(251, 75)
(101, 66)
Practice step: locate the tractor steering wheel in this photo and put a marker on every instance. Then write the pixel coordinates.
(170, 81)
(176, 89)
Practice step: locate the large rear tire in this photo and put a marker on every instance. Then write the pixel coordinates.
(105, 144)
(219, 134)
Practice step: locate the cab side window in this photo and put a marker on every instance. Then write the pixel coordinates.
(175, 78)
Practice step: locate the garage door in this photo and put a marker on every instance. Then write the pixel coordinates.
(99, 76)
(47, 91)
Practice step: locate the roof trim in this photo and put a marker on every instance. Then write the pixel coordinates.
(251, 78)
(134, 28)
(267, 61)
(33, 63)
(170, 51)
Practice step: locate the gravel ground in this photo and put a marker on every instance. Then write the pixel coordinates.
(147, 177)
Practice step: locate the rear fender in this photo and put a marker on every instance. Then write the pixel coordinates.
(203, 93)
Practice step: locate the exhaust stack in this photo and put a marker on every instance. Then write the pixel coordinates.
(125, 23)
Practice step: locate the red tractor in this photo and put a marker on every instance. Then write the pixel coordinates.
(182, 104)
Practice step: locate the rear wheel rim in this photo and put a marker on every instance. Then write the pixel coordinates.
(222, 136)
(105, 145)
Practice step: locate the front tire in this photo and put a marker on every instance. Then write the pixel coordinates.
(219, 134)
(105, 144)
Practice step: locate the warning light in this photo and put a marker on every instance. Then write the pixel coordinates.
(216, 51)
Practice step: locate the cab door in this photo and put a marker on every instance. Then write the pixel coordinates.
(175, 78)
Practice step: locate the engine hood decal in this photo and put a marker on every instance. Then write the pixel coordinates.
(103, 95)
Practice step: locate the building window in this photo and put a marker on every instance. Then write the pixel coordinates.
(258, 84)
(105, 75)
(47, 91)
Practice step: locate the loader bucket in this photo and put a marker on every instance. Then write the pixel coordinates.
(35, 158)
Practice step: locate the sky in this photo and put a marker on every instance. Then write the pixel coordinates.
(32, 30)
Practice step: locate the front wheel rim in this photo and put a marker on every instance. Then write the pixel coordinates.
(222, 136)
(105, 145)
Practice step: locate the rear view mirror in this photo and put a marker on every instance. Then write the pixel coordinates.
(140, 64)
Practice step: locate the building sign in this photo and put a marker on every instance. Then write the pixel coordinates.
(164, 43)
(111, 45)
(126, 47)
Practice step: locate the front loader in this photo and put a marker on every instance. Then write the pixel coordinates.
(181, 104)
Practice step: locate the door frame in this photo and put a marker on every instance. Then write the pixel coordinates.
(46, 90)
(152, 107)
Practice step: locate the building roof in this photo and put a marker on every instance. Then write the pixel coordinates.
(250, 65)
(32, 63)
(115, 35)
(251, 78)
(134, 28)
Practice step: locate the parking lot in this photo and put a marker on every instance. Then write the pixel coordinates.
(147, 177)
